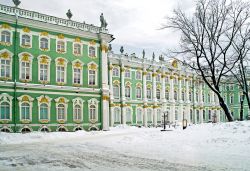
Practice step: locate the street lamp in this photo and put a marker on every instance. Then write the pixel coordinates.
(165, 114)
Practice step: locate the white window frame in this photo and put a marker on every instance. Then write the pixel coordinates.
(65, 69)
(151, 115)
(89, 46)
(119, 115)
(94, 102)
(30, 60)
(59, 50)
(10, 56)
(96, 73)
(127, 86)
(136, 91)
(41, 100)
(118, 87)
(140, 75)
(44, 49)
(64, 101)
(141, 119)
(158, 78)
(149, 76)
(127, 73)
(4, 97)
(81, 71)
(149, 89)
(117, 74)
(77, 101)
(28, 100)
(11, 36)
(73, 48)
(158, 92)
(131, 114)
(39, 67)
(21, 40)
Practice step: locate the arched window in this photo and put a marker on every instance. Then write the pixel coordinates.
(77, 49)
(148, 76)
(149, 116)
(149, 93)
(190, 95)
(92, 51)
(208, 98)
(166, 80)
(191, 115)
(60, 70)
(61, 112)
(197, 116)
(60, 46)
(5, 67)
(139, 115)
(128, 115)
(116, 91)
(209, 115)
(175, 95)
(25, 70)
(127, 73)
(26, 40)
(138, 75)
(183, 95)
(92, 112)
(158, 94)
(176, 115)
(127, 91)
(197, 96)
(77, 112)
(138, 92)
(44, 111)
(115, 72)
(44, 43)
(204, 114)
(158, 78)
(159, 117)
(4, 111)
(167, 94)
(77, 75)
(25, 111)
(231, 99)
(117, 116)
(5, 36)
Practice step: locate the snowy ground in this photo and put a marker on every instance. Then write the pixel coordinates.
(202, 147)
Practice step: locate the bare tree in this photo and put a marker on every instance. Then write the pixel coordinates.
(207, 37)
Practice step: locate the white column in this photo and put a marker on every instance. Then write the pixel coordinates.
(218, 115)
(171, 93)
(201, 92)
(201, 116)
(180, 89)
(155, 116)
(163, 87)
(111, 116)
(187, 115)
(187, 91)
(123, 115)
(180, 117)
(172, 113)
(145, 119)
(122, 82)
(105, 87)
(111, 82)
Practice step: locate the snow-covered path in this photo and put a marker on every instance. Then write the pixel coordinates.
(202, 147)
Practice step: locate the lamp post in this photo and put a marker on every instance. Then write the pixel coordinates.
(165, 115)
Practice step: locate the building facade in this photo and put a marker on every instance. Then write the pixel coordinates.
(59, 75)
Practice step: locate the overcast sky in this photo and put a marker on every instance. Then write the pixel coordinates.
(134, 23)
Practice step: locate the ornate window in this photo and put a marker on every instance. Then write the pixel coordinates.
(139, 115)
(44, 43)
(158, 94)
(175, 81)
(77, 49)
(159, 117)
(138, 75)
(61, 70)
(204, 114)
(6, 36)
(197, 96)
(167, 94)
(5, 107)
(77, 72)
(149, 116)
(61, 46)
(25, 66)
(127, 73)
(93, 110)
(127, 91)
(25, 108)
(44, 68)
(44, 108)
(117, 115)
(115, 72)
(149, 76)
(190, 95)
(128, 115)
(77, 109)
(208, 98)
(183, 95)
(5, 64)
(92, 51)
(116, 91)
(166, 80)
(61, 109)
(176, 115)
(138, 92)
(149, 93)
(92, 74)
(26, 40)
(232, 99)
(209, 115)
(197, 116)
(175, 95)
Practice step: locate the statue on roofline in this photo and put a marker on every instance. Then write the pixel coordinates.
(103, 21)
(16, 2)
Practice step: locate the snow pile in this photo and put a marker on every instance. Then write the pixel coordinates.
(221, 146)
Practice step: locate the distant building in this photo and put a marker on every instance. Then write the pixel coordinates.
(58, 75)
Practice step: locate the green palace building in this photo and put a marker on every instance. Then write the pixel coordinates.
(59, 75)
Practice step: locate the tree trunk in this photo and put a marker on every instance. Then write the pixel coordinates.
(248, 102)
(241, 107)
(225, 108)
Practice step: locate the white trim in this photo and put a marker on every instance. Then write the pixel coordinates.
(44, 126)
(6, 127)
(39, 61)
(73, 48)
(119, 115)
(48, 38)
(151, 120)
(11, 35)
(94, 46)
(65, 69)
(39, 105)
(131, 114)
(4, 97)
(81, 71)
(30, 102)
(65, 103)
(139, 108)
(78, 101)
(22, 33)
(118, 69)
(62, 126)
(25, 127)
(65, 45)
(96, 73)
(20, 55)
(94, 102)
(11, 56)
